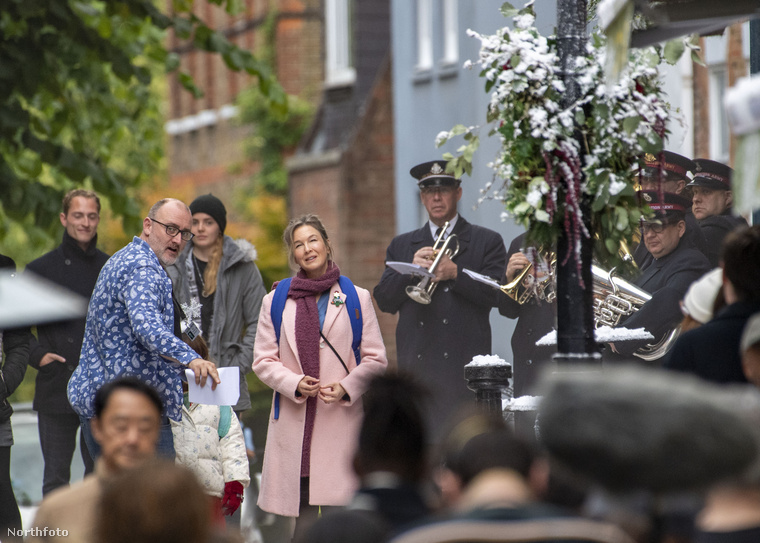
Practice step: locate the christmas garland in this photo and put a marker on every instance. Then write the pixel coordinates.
(540, 150)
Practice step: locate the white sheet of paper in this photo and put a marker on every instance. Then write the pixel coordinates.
(407, 268)
(227, 392)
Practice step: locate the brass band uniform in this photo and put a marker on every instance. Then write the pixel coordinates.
(436, 340)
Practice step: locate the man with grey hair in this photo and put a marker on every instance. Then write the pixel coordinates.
(130, 323)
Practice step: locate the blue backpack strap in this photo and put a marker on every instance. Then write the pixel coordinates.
(278, 306)
(354, 308)
(225, 420)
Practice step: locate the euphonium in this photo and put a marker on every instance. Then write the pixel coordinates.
(614, 299)
(423, 291)
(525, 285)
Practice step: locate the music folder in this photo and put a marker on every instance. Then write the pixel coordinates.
(407, 268)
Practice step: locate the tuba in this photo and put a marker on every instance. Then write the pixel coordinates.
(615, 299)
(423, 291)
(525, 285)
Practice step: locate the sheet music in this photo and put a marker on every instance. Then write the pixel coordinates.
(482, 278)
(407, 268)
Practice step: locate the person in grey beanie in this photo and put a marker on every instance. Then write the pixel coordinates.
(220, 289)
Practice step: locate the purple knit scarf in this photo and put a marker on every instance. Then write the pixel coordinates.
(305, 291)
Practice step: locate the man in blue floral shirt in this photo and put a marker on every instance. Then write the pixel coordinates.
(130, 323)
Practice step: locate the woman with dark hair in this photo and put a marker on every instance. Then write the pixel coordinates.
(220, 289)
(318, 379)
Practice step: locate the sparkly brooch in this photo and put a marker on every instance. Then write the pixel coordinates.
(336, 301)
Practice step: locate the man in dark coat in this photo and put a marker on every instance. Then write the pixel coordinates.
(670, 268)
(712, 205)
(535, 319)
(437, 340)
(669, 172)
(75, 264)
(712, 351)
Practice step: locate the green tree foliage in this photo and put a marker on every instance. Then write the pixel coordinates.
(274, 134)
(78, 101)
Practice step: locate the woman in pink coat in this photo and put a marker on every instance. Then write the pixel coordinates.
(317, 409)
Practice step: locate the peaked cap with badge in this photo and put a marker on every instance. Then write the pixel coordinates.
(433, 174)
(711, 175)
(672, 165)
(666, 205)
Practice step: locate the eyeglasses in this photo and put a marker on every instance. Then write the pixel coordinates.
(428, 191)
(654, 227)
(172, 231)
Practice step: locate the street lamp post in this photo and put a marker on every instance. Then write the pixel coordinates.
(575, 330)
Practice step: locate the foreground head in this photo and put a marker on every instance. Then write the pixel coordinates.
(740, 259)
(81, 215)
(674, 425)
(663, 229)
(667, 170)
(209, 220)
(439, 191)
(711, 188)
(127, 422)
(158, 502)
(393, 436)
(750, 349)
(167, 228)
(308, 245)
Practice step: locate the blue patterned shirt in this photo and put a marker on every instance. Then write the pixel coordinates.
(130, 325)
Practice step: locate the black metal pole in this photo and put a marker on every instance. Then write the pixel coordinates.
(575, 323)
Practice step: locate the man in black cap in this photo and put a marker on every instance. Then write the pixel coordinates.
(670, 267)
(712, 204)
(669, 172)
(435, 341)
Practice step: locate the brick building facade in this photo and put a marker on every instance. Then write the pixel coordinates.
(204, 140)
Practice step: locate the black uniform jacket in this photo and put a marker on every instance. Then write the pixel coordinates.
(534, 320)
(77, 270)
(435, 341)
(712, 351)
(715, 229)
(667, 279)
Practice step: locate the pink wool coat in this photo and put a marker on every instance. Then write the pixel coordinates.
(336, 426)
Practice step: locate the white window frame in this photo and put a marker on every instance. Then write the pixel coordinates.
(450, 33)
(339, 70)
(424, 35)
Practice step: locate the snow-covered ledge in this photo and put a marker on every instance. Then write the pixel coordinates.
(604, 334)
(488, 376)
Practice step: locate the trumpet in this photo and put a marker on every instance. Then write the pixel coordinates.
(423, 291)
(526, 285)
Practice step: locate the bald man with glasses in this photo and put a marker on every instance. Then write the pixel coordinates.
(131, 320)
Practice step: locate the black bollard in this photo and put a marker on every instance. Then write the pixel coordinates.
(489, 382)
